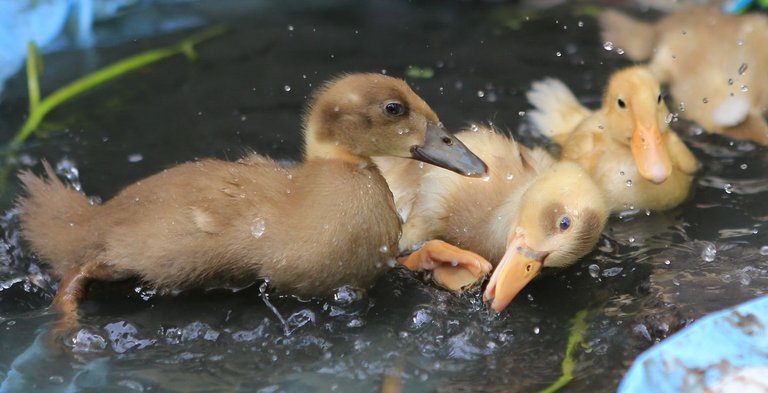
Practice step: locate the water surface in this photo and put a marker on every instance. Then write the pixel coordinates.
(651, 275)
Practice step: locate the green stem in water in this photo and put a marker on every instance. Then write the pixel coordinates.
(34, 66)
(38, 109)
(575, 338)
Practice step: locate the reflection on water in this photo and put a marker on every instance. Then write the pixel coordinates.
(651, 275)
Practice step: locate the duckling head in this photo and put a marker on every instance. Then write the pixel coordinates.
(560, 218)
(365, 115)
(634, 112)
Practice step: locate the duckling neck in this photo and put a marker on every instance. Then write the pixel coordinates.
(328, 149)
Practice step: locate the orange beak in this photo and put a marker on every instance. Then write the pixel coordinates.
(519, 265)
(650, 155)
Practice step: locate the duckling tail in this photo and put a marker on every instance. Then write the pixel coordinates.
(557, 111)
(55, 220)
(636, 38)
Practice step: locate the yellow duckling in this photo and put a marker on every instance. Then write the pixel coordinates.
(625, 145)
(328, 222)
(529, 212)
(716, 64)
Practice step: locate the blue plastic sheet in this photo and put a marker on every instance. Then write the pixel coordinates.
(724, 351)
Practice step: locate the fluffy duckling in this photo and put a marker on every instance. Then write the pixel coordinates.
(529, 212)
(328, 222)
(716, 64)
(625, 145)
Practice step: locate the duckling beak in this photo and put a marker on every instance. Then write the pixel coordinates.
(519, 265)
(649, 152)
(445, 150)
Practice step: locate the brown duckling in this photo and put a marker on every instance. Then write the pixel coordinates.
(716, 64)
(309, 229)
(626, 145)
(529, 212)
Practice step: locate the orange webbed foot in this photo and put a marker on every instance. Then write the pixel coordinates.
(452, 267)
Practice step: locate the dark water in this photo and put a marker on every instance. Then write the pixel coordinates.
(650, 276)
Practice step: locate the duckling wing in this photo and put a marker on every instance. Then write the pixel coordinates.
(681, 156)
(585, 147)
(557, 111)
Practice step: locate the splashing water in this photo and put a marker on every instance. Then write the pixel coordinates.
(709, 252)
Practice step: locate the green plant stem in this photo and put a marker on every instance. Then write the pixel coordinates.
(67, 92)
(575, 338)
(33, 82)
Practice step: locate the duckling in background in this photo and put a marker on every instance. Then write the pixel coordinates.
(309, 229)
(716, 64)
(529, 212)
(626, 145)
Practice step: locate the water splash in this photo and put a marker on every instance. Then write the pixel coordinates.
(709, 252)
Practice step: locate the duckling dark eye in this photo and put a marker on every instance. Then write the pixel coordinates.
(622, 104)
(394, 108)
(564, 223)
(658, 100)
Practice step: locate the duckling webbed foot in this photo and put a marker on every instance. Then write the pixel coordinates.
(453, 268)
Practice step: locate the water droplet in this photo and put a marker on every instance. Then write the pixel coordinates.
(258, 227)
(290, 27)
(135, 157)
(521, 113)
(739, 42)
(744, 88)
(580, 24)
(709, 252)
(68, 169)
(705, 100)
(594, 270)
(730, 81)
(668, 119)
(742, 68)
(612, 272)
(629, 183)
(621, 173)
(287, 88)
(536, 330)
(620, 51)
(384, 249)
(510, 176)
(764, 250)
(631, 239)
(486, 178)
(480, 93)
(667, 261)
(681, 107)
(743, 166)
(728, 188)
(474, 128)
(608, 45)
(558, 54)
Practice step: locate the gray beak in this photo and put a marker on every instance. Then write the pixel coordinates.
(444, 150)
